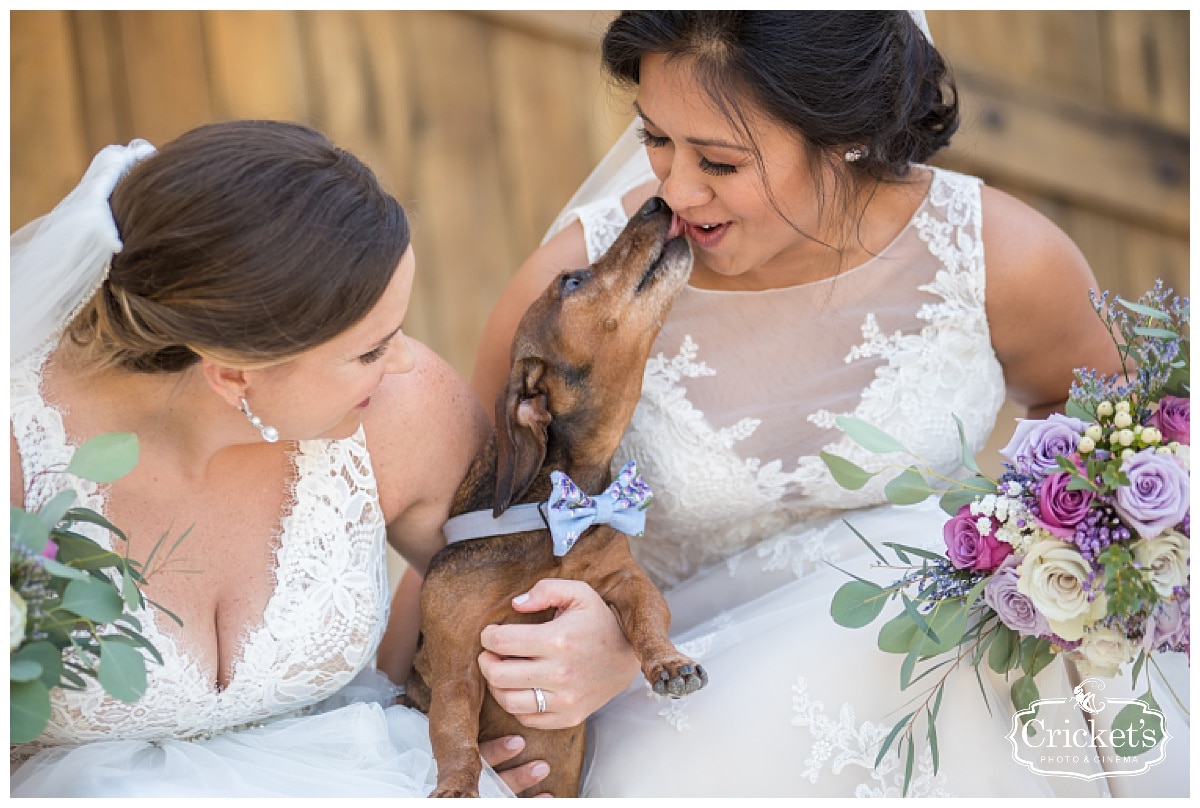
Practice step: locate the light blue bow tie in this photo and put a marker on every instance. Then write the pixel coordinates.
(622, 505)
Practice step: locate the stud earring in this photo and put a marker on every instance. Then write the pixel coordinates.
(269, 433)
(855, 154)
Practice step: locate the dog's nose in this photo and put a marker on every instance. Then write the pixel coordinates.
(654, 204)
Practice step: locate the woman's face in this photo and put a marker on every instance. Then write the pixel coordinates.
(323, 393)
(711, 178)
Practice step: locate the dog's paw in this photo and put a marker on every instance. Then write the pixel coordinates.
(677, 679)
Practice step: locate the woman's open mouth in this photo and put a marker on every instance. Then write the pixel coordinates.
(706, 236)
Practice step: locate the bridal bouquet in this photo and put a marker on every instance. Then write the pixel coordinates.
(1080, 548)
(72, 600)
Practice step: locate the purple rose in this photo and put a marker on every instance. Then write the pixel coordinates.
(1014, 609)
(1170, 624)
(967, 548)
(1036, 444)
(1157, 495)
(1061, 508)
(1173, 419)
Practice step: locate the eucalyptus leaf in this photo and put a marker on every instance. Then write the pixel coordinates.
(1138, 308)
(1001, 652)
(933, 746)
(1075, 410)
(1144, 729)
(968, 458)
(1024, 693)
(83, 553)
(908, 767)
(122, 671)
(863, 539)
(1036, 654)
(24, 670)
(857, 603)
(869, 436)
(92, 600)
(139, 640)
(1157, 333)
(63, 571)
(27, 529)
(91, 517)
(907, 488)
(53, 511)
(28, 710)
(917, 551)
(948, 622)
(953, 500)
(1137, 668)
(46, 656)
(891, 736)
(105, 458)
(896, 635)
(906, 668)
(846, 474)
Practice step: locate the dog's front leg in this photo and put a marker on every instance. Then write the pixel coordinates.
(645, 619)
(455, 700)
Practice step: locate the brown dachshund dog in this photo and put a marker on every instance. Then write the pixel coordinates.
(576, 376)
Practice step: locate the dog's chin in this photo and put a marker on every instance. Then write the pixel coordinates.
(673, 265)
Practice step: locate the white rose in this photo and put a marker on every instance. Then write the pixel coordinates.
(1052, 576)
(16, 620)
(1103, 652)
(1165, 559)
(1184, 454)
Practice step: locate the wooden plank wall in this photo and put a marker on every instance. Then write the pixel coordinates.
(483, 123)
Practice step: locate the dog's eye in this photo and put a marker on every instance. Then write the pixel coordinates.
(571, 281)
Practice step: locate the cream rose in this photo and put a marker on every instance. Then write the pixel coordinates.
(1052, 576)
(1165, 558)
(1103, 652)
(16, 620)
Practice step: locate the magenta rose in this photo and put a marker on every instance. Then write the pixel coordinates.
(1173, 419)
(1061, 508)
(967, 548)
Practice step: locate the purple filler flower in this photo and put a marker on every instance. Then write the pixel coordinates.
(1173, 419)
(1157, 495)
(1061, 509)
(1014, 609)
(1035, 444)
(967, 548)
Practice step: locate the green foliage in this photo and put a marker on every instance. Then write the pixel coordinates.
(77, 604)
(1128, 588)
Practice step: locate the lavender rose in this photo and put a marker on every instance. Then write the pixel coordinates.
(967, 548)
(1170, 624)
(1157, 495)
(1014, 609)
(1035, 444)
(1173, 419)
(1061, 508)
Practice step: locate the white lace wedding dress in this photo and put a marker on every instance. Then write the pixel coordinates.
(739, 396)
(304, 713)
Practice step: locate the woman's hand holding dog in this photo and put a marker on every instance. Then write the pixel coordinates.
(579, 660)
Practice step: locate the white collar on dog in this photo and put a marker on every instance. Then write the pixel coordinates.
(476, 524)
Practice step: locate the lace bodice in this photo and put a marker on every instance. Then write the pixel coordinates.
(742, 388)
(321, 624)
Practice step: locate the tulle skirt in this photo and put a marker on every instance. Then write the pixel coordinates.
(351, 746)
(797, 705)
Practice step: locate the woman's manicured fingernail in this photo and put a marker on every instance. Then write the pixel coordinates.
(514, 743)
(519, 599)
(540, 770)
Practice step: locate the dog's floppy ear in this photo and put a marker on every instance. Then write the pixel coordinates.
(521, 421)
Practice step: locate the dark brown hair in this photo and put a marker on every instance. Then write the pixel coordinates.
(246, 241)
(836, 78)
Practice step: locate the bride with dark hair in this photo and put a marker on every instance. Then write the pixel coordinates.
(835, 274)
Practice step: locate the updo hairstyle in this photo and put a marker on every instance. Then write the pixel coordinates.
(838, 79)
(249, 242)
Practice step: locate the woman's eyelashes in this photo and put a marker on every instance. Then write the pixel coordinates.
(375, 354)
(707, 166)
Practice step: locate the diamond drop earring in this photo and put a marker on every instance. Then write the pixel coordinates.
(269, 433)
(855, 154)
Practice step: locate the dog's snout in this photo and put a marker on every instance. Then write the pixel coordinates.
(654, 204)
